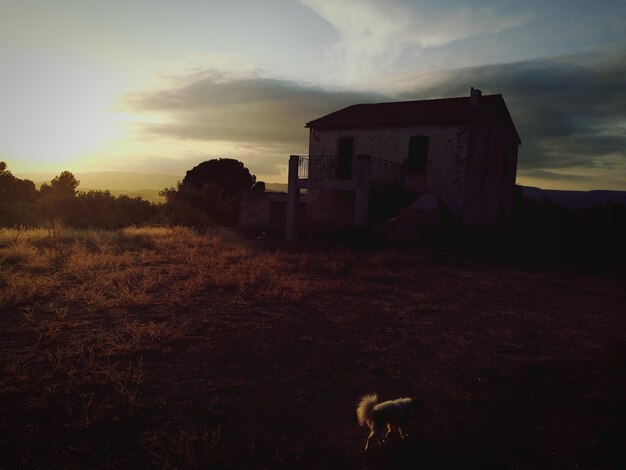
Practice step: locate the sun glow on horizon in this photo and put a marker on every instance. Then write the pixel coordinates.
(59, 109)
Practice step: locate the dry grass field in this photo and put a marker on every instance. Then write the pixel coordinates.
(160, 347)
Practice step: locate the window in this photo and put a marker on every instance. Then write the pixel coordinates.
(418, 154)
(345, 152)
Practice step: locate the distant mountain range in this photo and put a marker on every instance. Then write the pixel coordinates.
(112, 180)
(574, 199)
(276, 187)
(567, 199)
(148, 185)
(144, 185)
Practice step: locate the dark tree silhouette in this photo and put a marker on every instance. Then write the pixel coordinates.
(229, 174)
(259, 186)
(22, 205)
(209, 193)
(17, 199)
(58, 198)
(99, 209)
(13, 189)
(65, 184)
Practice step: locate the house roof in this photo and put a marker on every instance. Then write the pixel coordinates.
(439, 111)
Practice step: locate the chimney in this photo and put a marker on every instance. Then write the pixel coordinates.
(475, 95)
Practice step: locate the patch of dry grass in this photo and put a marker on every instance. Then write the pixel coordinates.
(59, 286)
(138, 266)
(72, 299)
(165, 346)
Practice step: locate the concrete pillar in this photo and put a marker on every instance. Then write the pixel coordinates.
(362, 181)
(293, 199)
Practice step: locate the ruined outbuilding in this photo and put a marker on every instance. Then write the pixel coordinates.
(408, 164)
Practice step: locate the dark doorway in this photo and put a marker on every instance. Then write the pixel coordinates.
(345, 152)
(418, 154)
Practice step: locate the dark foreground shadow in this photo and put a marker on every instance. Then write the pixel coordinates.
(395, 453)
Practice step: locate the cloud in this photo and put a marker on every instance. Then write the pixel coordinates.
(241, 109)
(260, 120)
(568, 111)
(373, 35)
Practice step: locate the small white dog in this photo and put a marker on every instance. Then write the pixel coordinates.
(392, 413)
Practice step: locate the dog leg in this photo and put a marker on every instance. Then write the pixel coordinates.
(389, 429)
(400, 431)
(367, 442)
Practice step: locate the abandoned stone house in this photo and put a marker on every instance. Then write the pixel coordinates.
(407, 166)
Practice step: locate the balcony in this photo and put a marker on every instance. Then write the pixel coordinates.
(358, 173)
(333, 172)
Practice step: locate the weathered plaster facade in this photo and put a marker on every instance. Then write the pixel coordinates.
(445, 165)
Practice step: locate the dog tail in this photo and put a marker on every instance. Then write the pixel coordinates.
(365, 408)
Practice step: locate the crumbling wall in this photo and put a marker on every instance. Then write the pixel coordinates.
(254, 209)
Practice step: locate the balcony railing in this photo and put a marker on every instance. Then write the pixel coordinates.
(386, 172)
(316, 167)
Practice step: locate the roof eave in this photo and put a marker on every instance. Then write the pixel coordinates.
(434, 122)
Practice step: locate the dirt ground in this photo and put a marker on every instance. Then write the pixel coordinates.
(517, 368)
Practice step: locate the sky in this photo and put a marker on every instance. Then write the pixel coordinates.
(159, 86)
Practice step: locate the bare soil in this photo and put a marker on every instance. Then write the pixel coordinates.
(517, 368)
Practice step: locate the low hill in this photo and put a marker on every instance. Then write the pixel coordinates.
(151, 195)
(276, 187)
(112, 180)
(574, 199)
(144, 185)
(567, 199)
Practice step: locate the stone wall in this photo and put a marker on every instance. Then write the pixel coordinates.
(447, 152)
(470, 168)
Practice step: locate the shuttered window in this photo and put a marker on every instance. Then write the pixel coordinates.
(418, 154)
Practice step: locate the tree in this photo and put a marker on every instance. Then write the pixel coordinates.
(13, 189)
(99, 209)
(209, 193)
(17, 199)
(229, 174)
(58, 197)
(65, 184)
